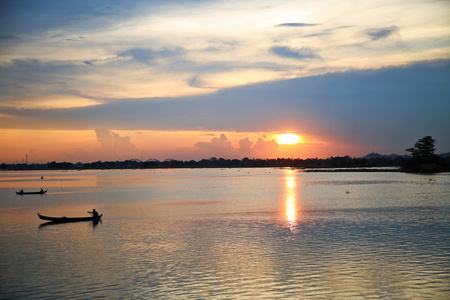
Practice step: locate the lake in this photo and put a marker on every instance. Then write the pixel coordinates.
(226, 234)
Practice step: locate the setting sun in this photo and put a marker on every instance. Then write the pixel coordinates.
(288, 138)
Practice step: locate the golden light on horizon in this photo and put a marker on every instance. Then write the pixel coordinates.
(288, 138)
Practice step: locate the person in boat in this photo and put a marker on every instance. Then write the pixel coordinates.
(42, 190)
(94, 213)
(21, 191)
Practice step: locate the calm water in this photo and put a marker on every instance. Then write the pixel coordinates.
(226, 234)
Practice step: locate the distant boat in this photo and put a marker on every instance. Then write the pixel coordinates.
(67, 220)
(30, 193)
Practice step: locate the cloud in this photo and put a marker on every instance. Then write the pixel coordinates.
(105, 138)
(147, 56)
(317, 34)
(194, 81)
(112, 147)
(221, 147)
(302, 53)
(6, 116)
(31, 17)
(197, 49)
(267, 148)
(245, 148)
(113, 144)
(217, 45)
(8, 37)
(296, 24)
(380, 33)
(217, 147)
(372, 107)
(326, 31)
(74, 39)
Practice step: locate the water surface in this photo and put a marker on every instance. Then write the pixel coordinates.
(226, 233)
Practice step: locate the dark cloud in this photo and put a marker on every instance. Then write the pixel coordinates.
(28, 16)
(317, 34)
(73, 39)
(148, 55)
(391, 106)
(26, 78)
(380, 33)
(86, 62)
(326, 31)
(194, 81)
(296, 24)
(8, 37)
(302, 53)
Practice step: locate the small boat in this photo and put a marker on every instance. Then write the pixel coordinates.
(31, 193)
(67, 220)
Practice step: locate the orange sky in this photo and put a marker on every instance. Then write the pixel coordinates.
(43, 146)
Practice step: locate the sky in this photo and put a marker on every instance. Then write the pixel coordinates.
(83, 81)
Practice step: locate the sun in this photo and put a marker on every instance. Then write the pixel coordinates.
(288, 138)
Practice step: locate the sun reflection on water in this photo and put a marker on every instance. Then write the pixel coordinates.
(291, 212)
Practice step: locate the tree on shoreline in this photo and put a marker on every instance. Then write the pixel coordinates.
(423, 157)
(423, 148)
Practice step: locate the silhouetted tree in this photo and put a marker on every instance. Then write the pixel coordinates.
(424, 147)
(424, 159)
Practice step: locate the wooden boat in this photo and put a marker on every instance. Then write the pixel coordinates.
(66, 220)
(30, 193)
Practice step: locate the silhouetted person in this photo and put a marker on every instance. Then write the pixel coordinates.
(94, 213)
(42, 177)
(42, 190)
(21, 191)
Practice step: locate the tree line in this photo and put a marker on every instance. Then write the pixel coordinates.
(422, 159)
(332, 162)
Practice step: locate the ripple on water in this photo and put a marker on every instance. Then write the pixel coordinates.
(232, 249)
(339, 258)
